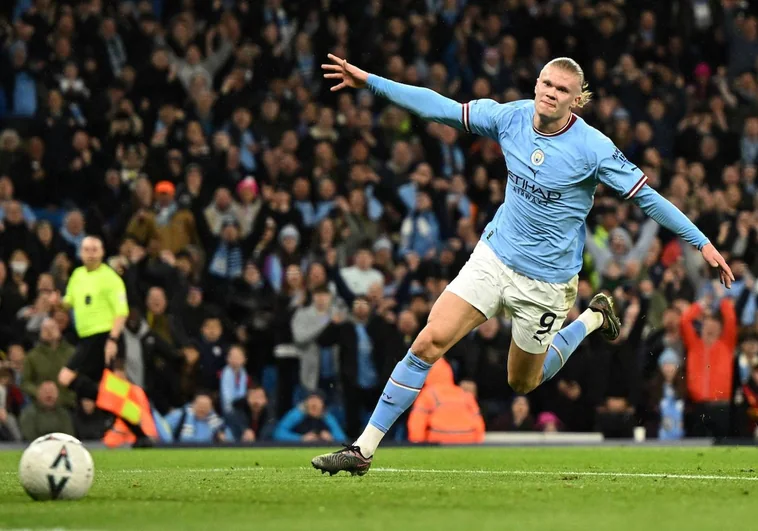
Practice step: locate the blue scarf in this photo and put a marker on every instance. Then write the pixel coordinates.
(188, 428)
(163, 215)
(227, 262)
(76, 241)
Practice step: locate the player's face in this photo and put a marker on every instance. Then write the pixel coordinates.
(556, 92)
(92, 252)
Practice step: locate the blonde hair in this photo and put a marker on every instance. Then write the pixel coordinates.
(569, 65)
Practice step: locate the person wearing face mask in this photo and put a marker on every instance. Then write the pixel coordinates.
(21, 276)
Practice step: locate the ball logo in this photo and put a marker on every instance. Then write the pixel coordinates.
(538, 157)
(56, 486)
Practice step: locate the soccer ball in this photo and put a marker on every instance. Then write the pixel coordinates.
(56, 466)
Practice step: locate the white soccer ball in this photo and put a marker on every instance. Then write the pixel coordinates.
(56, 466)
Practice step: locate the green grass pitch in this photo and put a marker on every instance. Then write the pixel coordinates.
(413, 488)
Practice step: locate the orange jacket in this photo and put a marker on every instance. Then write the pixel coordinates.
(443, 412)
(710, 369)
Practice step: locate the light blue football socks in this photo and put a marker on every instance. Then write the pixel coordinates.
(401, 390)
(567, 340)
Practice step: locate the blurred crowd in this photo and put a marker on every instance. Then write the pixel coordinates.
(282, 244)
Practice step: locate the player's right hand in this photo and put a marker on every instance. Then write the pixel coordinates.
(348, 75)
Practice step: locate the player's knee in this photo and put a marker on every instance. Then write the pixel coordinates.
(427, 347)
(521, 385)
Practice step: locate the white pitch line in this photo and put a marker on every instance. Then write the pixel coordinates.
(700, 477)
(559, 473)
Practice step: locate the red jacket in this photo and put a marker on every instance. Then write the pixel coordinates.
(710, 369)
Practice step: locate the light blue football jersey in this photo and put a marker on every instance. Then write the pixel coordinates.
(538, 231)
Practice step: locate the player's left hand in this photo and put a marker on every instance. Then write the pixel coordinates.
(714, 258)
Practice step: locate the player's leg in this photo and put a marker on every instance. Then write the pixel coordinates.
(451, 319)
(529, 365)
(472, 297)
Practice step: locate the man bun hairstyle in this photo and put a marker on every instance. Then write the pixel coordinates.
(569, 65)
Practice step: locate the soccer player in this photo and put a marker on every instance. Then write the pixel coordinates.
(529, 255)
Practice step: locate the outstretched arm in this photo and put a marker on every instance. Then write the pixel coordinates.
(661, 210)
(476, 117)
(614, 170)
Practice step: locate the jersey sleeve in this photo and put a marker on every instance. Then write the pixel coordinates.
(485, 117)
(614, 170)
(117, 296)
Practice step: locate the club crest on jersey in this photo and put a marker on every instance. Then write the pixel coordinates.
(538, 157)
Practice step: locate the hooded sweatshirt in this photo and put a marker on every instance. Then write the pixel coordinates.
(443, 412)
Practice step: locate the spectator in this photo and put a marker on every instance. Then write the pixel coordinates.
(44, 362)
(198, 422)
(421, 230)
(32, 316)
(212, 349)
(358, 362)
(73, 233)
(490, 350)
(187, 70)
(361, 276)
(548, 422)
(90, 423)
(443, 412)
(251, 307)
(519, 419)
(710, 364)
(222, 210)
(252, 418)
(151, 362)
(48, 245)
(16, 234)
(234, 379)
(252, 209)
(15, 400)
(16, 356)
(190, 374)
(227, 261)
(160, 323)
(317, 362)
(278, 261)
(9, 430)
(174, 225)
(309, 422)
(45, 415)
(750, 391)
(666, 398)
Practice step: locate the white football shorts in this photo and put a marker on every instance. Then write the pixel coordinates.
(538, 309)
